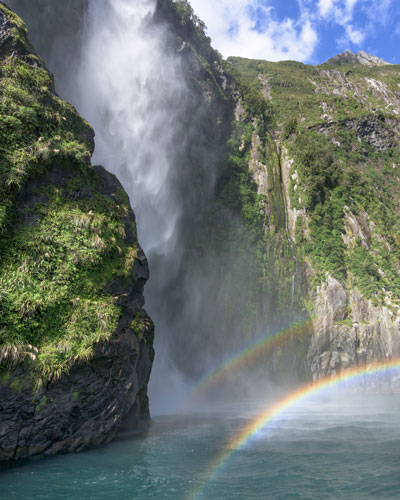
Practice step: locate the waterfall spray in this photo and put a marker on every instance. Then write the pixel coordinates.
(132, 91)
(162, 125)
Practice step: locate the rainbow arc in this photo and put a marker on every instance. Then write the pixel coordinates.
(273, 412)
(247, 356)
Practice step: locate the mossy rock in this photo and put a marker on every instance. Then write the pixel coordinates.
(340, 125)
(66, 229)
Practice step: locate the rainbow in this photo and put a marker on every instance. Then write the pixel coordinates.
(247, 355)
(268, 415)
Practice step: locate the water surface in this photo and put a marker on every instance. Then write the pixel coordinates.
(319, 451)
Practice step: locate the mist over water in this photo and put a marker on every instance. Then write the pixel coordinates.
(320, 449)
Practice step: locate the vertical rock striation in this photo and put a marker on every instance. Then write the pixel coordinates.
(336, 129)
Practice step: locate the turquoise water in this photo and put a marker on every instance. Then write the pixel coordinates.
(322, 450)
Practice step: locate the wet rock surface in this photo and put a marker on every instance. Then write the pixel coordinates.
(87, 406)
(349, 331)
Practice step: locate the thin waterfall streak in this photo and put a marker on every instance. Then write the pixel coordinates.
(291, 244)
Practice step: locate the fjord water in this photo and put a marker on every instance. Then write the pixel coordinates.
(323, 449)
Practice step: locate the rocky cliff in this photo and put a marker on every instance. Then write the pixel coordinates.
(75, 342)
(240, 277)
(304, 218)
(336, 130)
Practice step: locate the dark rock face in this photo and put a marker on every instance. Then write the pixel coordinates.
(88, 405)
(373, 131)
(84, 408)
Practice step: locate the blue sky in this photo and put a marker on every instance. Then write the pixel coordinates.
(311, 31)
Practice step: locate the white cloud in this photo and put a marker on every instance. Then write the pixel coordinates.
(341, 12)
(325, 7)
(233, 31)
(350, 5)
(233, 28)
(354, 36)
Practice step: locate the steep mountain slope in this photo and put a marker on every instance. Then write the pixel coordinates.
(304, 220)
(307, 199)
(336, 129)
(75, 342)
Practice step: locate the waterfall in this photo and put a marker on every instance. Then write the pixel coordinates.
(131, 89)
(124, 71)
(130, 92)
(115, 65)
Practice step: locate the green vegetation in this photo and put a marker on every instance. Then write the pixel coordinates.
(19, 32)
(42, 403)
(61, 241)
(344, 322)
(192, 30)
(143, 327)
(188, 17)
(337, 125)
(247, 225)
(36, 129)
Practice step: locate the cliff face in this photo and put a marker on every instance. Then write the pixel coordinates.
(240, 278)
(350, 331)
(336, 130)
(75, 342)
(304, 218)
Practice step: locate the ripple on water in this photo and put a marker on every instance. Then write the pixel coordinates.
(315, 453)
